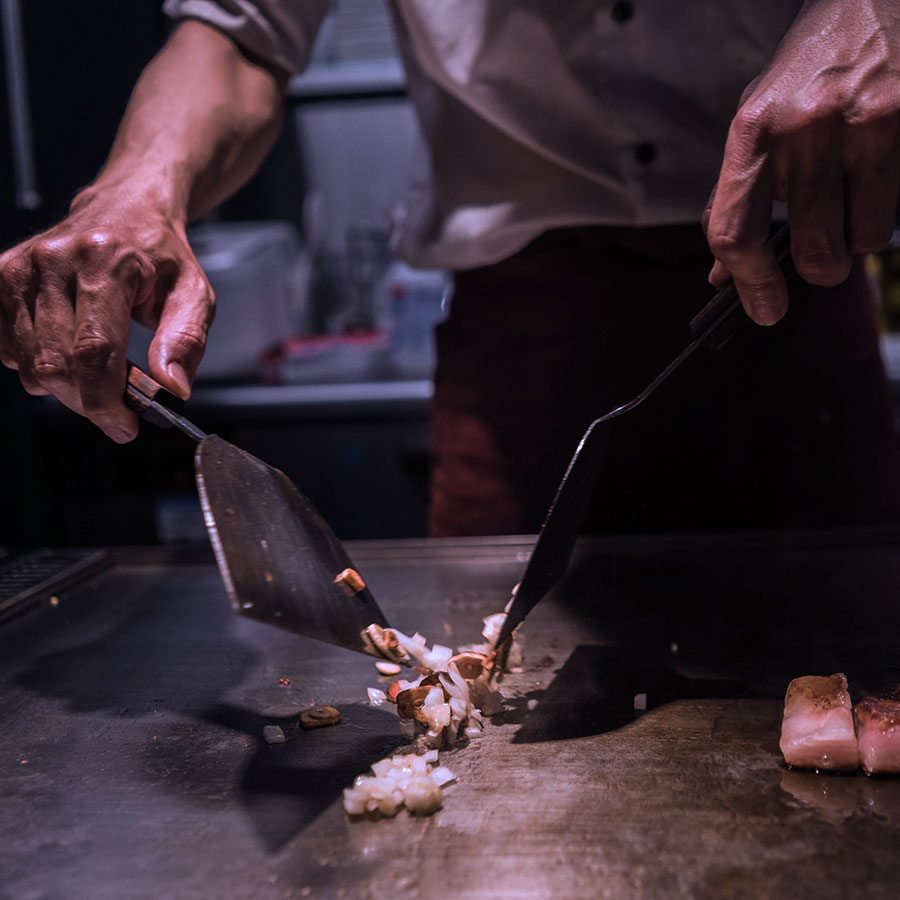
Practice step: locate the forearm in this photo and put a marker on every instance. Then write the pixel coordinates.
(200, 121)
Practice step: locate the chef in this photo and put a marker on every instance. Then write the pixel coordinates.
(572, 149)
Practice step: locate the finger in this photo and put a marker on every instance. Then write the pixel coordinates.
(15, 290)
(180, 340)
(739, 222)
(719, 276)
(24, 344)
(23, 338)
(7, 350)
(100, 337)
(872, 185)
(816, 212)
(54, 323)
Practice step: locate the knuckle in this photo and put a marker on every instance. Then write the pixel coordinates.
(131, 264)
(48, 252)
(50, 366)
(190, 339)
(753, 124)
(726, 247)
(96, 244)
(15, 274)
(92, 350)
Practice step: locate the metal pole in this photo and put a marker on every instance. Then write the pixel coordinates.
(24, 169)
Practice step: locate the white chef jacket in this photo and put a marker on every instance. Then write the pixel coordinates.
(546, 113)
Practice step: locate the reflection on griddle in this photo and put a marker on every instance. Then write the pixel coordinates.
(835, 797)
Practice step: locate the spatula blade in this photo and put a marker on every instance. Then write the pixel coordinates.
(280, 561)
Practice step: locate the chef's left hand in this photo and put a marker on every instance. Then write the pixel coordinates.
(820, 129)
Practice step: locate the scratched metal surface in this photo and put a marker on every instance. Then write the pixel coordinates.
(132, 764)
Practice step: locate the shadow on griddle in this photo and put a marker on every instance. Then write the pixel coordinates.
(285, 787)
(595, 690)
(763, 608)
(158, 651)
(168, 661)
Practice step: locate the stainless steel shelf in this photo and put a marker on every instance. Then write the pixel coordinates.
(402, 396)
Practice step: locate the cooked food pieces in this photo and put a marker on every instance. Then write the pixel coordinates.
(878, 724)
(404, 780)
(273, 734)
(817, 731)
(387, 668)
(319, 717)
(446, 705)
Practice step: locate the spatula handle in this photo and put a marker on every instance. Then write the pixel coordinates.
(154, 404)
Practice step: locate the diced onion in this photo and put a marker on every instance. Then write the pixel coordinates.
(445, 707)
(493, 626)
(377, 697)
(273, 734)
(442, 775)
(403, 780)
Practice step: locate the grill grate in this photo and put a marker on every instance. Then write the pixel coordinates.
(27, 579)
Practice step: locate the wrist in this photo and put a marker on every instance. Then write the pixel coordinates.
(133, 189)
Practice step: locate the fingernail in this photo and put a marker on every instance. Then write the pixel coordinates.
(767, 315)
(177, 373)
(121, 436)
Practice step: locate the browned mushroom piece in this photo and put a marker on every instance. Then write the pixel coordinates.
(387, 668)
(385, 643)
(350, 582)
(472, 665)
(394, 688)
(319, 717)
(411, 701)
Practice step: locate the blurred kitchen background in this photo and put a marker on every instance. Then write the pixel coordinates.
(321, 353)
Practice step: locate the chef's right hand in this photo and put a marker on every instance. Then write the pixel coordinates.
(68, 294)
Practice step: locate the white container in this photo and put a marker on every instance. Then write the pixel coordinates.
(414, 300)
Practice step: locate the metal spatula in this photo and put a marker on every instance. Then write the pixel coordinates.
(279, 560)
(712, 327)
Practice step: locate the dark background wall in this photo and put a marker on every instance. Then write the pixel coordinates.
(61, 481)
(82, 60)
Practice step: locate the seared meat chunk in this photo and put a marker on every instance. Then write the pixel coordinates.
(817, 731)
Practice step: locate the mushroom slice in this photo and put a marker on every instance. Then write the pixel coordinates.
(411, 702)
(319, 717)
(472, 665)
(385, 643)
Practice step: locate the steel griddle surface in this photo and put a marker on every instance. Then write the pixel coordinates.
(132, 763)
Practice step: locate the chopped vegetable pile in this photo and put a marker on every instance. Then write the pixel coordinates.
(445, 705)
(405, 780)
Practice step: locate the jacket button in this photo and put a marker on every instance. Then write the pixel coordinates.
(645, 153)
(622, 11)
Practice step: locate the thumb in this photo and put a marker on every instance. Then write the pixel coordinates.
(180, 339)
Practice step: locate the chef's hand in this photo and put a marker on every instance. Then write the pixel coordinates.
(67, 297)
(819, 128)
